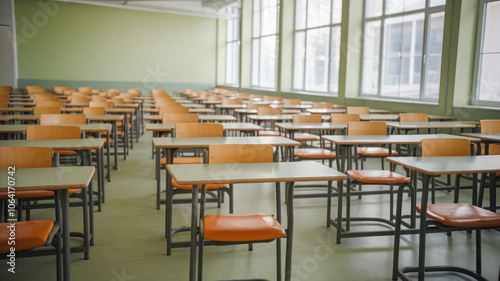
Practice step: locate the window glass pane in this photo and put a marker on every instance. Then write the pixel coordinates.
(393, 6)
(334, 60)
(393, 37)
(491, 42)
(373, 8)
(255, 61)
(232, 65)
(269, 19)
(371, 57)
(433, 61)
(298, 63)
(267, 75)
(411, 5)
(317, 60)
(337, 11)
(391, 76)
(370, 76)
(437, 3)
(489, 83)
(256, 24)
(372, 39)
(300, 17)
(318, 12)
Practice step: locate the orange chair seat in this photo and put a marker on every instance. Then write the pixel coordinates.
(305, 137)
(377, 176)
(183, 160)
(120, 123)
(188, 187)
(33, 194)
(65, 152)
(375, 151)
(267, 133)
(241, 227)
(314, 153)
(462, 215)
(29, 234)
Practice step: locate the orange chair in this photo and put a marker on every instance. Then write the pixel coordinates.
(55, 119)
(291, 101)
(54, 132)
(327, 105)
(358, 110)
(269, 111)
(488, 127)
(370, 128)
(37, 110)
(224, 229)
(364, 177)
(447, 217)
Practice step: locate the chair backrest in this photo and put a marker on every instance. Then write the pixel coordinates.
(52, 132)
(105, 104)
(413, 117)
(93, 111)
(4, 103)
(344, 118)
(25, 157)
(189, 130)
(60, 89)
(134, 92)
(291, 101)
(156, 93)
(77, 99)
(268, 111)
(81, 94)
(307, 118)
(4, 95)
(243, 95)
(490, 126)
(117, 100)
(6, 88)
(328, 105)
(445, 147)
(85, 89)
(231, 101)
(51, 103)
(214, 98)
(98, 98)
(366, 128)
(46, 119)
(39, 98)
(180, 118)
(97, 91)
(240, 153)
(358, 110)
(256, 105)
(172, 109)
(46, 110)
(272, 98)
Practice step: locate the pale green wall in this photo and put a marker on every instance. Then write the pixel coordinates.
(100, 46)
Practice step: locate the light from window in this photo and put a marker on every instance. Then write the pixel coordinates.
(233, 50)
(489, 56)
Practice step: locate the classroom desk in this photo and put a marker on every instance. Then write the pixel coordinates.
(290, 128)
(288, 172)
(379, 117)
(242, 113)
(436, 166)
(13, 110)
(291, 106)
(217, 118)
(429, 125)
(487, 139)
(59, 180)
(84, 145)
(127, 112)
(228, 108)
(22, 103)
(6, 118)
(228, 127)
(113, 119)
(202, 110)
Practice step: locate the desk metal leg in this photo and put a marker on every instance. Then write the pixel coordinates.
(100, 179)
(91, 212)
(289, 234)
(422, 230)
(158, 177)
(108, 162)
(115, 143)
(64, 197)
(86, 222)
(194, 224)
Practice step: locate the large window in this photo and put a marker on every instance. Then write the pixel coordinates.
(233, 49)
(402, 47)
(488, 57)
(265, 43)
(317, 45)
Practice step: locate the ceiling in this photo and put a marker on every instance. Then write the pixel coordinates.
(201, 8)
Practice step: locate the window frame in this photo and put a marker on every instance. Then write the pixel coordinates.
(477, 56)
(259, 38)
(238, 42)
(330, 26)
(427, 11)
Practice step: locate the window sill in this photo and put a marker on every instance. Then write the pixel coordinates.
(317, 94)
(477, 107)
(380, 99)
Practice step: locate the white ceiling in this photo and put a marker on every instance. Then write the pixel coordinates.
(201, 8)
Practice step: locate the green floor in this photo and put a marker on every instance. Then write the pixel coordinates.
(130, 243)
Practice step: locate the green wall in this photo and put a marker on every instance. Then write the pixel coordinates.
(84, 45)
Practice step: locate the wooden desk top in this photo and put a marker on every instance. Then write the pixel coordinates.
(311, 126)
(70, 144)
(281, 117)
(450, 165)
(379, 117)
(159, 127)
(205, 142)
(388, 139)
(20, 128)
(56, 178)
(429, 125)
(253, 173)
(217, 118)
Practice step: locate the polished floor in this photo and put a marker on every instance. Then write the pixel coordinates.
(130, 243)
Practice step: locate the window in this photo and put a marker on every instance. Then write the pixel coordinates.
(488, 57)
(317, 45)
(265, 43)
(402, 47)
(233, 49)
